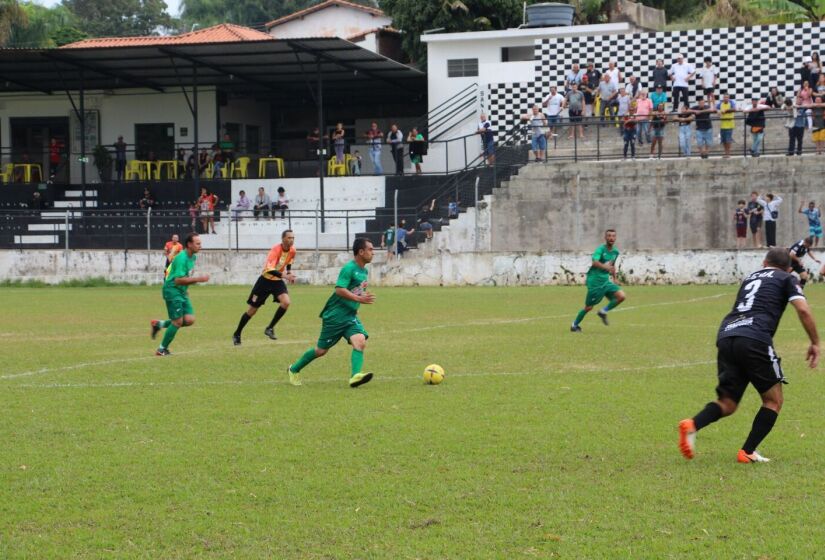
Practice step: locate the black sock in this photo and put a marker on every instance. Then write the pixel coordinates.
(710, 414)
(762, 424)
(802, 283)
(278, 314)
(242, 323)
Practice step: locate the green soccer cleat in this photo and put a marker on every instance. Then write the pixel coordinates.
(294, 378)
(359, 379)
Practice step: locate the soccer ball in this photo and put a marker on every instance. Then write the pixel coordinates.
(433, 374)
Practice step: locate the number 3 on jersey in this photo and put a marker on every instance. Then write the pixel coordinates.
(750, 295)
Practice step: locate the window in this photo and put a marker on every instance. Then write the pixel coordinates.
(462, 67)
(517, 54)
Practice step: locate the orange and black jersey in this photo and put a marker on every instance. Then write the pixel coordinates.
(278, 262)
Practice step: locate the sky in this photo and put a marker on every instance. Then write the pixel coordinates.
(173, 5)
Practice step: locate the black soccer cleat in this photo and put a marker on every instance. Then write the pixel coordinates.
(155, 329)
(359, 379)
(603, 316)
(270, 333)
(575, 328)
(236, 339)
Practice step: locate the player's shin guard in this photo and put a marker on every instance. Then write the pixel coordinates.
(710, 414)
(277, 317)
(303, 361)
(169, 336)
(242, 323)
(762, 426)
(356, 361)
(580, 317)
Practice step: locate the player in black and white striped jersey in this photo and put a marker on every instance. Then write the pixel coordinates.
(796, 252)
(745, 353)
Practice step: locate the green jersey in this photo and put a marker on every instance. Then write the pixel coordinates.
(597, 276)
(353, 278)
(180, 267)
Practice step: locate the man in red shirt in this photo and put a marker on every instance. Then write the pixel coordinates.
(172, 248)
(272, 281)
(55, 148)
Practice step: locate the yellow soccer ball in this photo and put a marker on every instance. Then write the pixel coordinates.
(433, 374)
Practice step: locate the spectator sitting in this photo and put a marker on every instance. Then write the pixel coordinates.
(355, 163)
(180, 158)
(658, 97)
(152, 157)
(452, 209)
(218, 163)
(262, 204)
(189, 170)
(148, 200)
(243, 204)
(19, 172)
(775, 99)
(37, 202)
(227, 148)
(282, 203)
(401, 233)
(425, 218)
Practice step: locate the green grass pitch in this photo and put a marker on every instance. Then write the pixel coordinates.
(539, 444)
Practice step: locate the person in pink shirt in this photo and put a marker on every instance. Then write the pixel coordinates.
(644, 106)
(805, 96)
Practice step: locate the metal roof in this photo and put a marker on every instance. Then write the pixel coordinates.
(275, 68)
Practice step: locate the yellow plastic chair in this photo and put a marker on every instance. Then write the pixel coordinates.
(133, 169)
(335, 168)
(241, 167)
(210, 171)
(5, 176)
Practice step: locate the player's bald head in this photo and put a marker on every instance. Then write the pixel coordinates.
(779, 258)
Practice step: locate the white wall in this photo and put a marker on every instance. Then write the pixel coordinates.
(334, 21)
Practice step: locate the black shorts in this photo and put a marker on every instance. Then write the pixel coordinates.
(263, 288)
(708, 90)
(575, 116)
(756, 225)
(797, 267)
(743, 360)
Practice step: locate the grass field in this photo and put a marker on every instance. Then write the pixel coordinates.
(539, 444)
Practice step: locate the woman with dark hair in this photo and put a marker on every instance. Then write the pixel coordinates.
(816, 69)
(775, 99)
(338, 142)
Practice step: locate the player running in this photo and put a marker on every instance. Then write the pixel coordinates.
(745, 353)
(796, 252)
(601, 281)
(175, 293)
(278, 268)
(339, 317)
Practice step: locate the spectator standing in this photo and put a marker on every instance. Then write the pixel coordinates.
(644, 106)
(338, 142)
(816, 68)
(55, 157)
(756, 120)
(355, 163)
(573, 76)
(740, 220)
(658, 97)
(282, 203)
(538, 130)
(770, 205)
(614, 73)
(262, 204)
(755, 216)
(171, 248)
(206, 204)
(189, 170)
(37, 202)
(425, 217)
(227, 149)
(488, 144)
(817, 111)
(681, 73)
(814, 216)
(685, 119)
(727, 122)
(633, 87)
(313, 142)
(395, 138)
(795, 121)
(147, 201)
(704, 129)
(623, 101)
(452, 209)
(658, 122)
(417, 148)
(388, 238)
(593, 75)
(805, 71)
(590, 92)
(805, 96)
(554, 103)
(242, 205)
(203, 161)
(574, 103)
(193, 214)
(629, 130)
(401, 233)
(709, 74)
(607, 97)
(120, 158)
(180, 159)
(374, 140)
(659, 77)
(774, 99)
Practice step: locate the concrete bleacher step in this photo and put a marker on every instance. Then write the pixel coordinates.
(74, 204)
(36, 239)
(49, 227)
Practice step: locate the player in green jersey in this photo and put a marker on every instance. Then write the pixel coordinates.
(601, 281)
(339, 318)
(175, 293)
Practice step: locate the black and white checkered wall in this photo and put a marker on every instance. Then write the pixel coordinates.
(750, 61)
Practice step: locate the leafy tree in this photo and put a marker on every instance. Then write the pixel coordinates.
(252, 13)
(108, 18)
(12, 16)
(45, 27)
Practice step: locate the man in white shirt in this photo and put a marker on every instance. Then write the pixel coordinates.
(680, 73)
(615, 75)
(554, 103)
(709, 74)
(573, 76)
(770, 204)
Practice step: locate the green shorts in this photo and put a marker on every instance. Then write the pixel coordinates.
(178, 306)
(333, 331)
(597, 293)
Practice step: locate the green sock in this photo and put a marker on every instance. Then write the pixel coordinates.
(579, 317)
(169, 336)
(357, 361)
(164, 323)
(303, 361)
(613, 303)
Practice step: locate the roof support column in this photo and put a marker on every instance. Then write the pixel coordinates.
(195, 150)
(322, 137)
(82, 116)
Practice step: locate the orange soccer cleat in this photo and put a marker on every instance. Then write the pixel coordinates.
(687, 438)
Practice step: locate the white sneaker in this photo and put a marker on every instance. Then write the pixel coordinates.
(754, 457)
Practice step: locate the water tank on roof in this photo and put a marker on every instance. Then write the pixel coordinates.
(549, 14)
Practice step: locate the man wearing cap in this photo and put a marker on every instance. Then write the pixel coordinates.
(680, 73)
(658, 96)
(805, 72)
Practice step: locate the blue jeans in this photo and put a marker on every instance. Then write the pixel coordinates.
(685, 138)
(643, 128)
(375, 156)
(756, 142)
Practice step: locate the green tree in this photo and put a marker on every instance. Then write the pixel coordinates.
(252, 13)
(45, 27)
(12, 16)
(109, 18)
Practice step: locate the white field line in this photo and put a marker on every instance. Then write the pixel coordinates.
(341, 379)
(419, 329)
